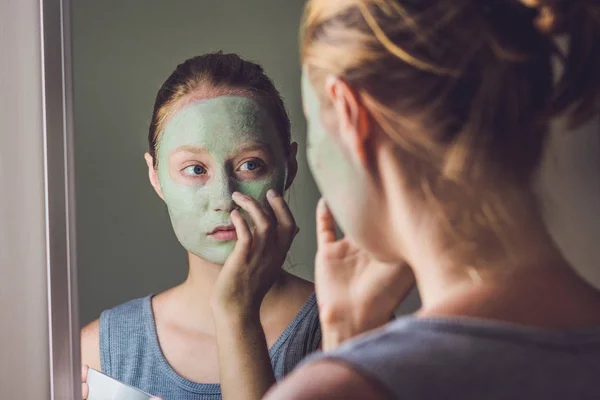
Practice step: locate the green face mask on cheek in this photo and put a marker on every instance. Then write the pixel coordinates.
(340, 181)
(216, 130)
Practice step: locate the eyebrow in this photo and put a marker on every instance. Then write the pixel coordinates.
(190, 149)
(252, 146)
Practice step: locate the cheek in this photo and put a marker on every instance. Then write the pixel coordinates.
(184, 200)
(258, 189)
(342, 183)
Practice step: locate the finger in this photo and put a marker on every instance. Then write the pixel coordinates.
(85, 391)
(286, 225)
(244, 236)
(259, 216)
(325, 224)
(84, 373)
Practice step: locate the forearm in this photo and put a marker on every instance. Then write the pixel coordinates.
(245, 369)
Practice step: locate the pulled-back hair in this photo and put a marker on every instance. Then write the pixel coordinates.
(466, 85)
(216, 74)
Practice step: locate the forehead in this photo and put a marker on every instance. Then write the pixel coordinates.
(224, 121)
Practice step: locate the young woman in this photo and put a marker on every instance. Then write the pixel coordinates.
(427, 120)
(220, 156)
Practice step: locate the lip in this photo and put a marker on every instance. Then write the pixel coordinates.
(224, 233)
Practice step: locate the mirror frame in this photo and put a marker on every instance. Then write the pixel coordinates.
(63, 320)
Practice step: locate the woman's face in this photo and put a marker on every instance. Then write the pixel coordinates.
(208, 150)
(341, 180)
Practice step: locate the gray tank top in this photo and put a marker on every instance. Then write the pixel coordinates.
(423, 359)
(130, 351)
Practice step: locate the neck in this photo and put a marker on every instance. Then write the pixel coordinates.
(201, 279)
(483, 245)
(491, 255)
(191, 299)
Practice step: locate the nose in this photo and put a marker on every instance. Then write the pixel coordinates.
(223, 189)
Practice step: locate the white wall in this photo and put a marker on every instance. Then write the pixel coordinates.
(24, 352)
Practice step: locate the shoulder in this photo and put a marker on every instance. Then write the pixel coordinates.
(130, 313)
(96, 335)
(374, 365)
(299, 286)
(327, 380)
(90, 345)
(305, 328)
(298, 304)
(134, 306)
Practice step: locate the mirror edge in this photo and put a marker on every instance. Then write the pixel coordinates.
(60, 200)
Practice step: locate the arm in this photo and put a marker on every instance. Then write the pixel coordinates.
(245, 367)
(90, 352)
(327, 380)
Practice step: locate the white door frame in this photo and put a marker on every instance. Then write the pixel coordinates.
(39, 339)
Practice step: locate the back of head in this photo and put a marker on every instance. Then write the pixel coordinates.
(467, 86)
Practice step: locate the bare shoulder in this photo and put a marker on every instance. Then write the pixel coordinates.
(301, 287)
(297, 292)
(90, 345)
(327, 380)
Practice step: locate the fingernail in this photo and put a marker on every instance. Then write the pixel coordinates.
(272, 194)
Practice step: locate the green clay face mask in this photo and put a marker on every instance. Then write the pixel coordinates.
(210, 149)
(340, 181)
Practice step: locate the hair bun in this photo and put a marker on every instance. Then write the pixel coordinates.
(551, 15)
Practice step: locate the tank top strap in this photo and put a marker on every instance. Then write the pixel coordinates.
(123, 337)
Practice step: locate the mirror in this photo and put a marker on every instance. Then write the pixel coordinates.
(132, 243)
(122, 54)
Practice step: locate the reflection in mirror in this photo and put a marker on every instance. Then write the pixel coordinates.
(187, 288)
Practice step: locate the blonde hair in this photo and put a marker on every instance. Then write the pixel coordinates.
(462, 83)
(465, 87)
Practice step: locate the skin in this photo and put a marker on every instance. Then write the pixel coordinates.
(233, 287)
(339, 177)
(531, 285)
(201, 164)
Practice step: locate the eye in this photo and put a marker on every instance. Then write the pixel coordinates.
(194, 170)
(251, 165)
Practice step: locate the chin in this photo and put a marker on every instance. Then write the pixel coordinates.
(215, 254)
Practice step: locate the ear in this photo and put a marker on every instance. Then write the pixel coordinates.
(352, 117)
(153, 175)
(292, 165)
